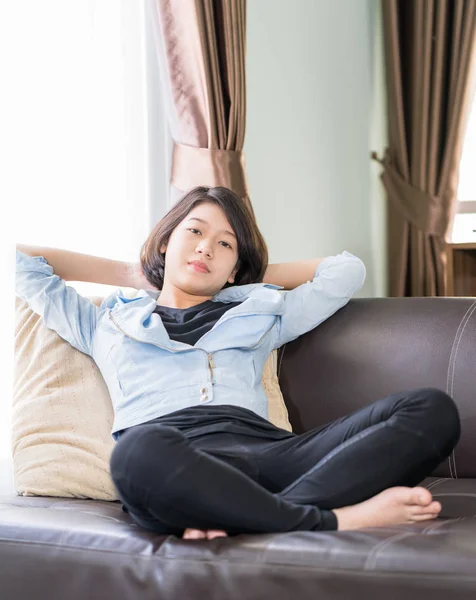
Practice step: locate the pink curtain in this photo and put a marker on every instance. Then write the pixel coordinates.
(201, 50)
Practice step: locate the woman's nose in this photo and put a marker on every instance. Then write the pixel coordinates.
(204, 249)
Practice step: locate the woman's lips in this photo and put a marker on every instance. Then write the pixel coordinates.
(198, 268)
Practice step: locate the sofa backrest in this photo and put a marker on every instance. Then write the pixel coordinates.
(375, 347)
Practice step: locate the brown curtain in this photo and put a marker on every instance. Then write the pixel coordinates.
(429, 54)
(201, 49)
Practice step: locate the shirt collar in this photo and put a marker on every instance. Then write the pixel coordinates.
(229, 294)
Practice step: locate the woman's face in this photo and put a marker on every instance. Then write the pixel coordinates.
(204, 235)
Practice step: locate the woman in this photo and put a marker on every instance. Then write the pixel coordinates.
(196, 455)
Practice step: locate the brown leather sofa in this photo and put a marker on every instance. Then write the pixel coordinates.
(67, 549)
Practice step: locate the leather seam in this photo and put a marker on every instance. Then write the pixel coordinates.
(451, 370)
(370, 562)
(433, 484)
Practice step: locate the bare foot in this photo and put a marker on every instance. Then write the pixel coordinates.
(200, 534)
(393, 506)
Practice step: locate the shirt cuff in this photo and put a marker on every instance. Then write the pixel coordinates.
(25, 262)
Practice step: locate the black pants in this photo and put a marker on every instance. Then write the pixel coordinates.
(252, 484)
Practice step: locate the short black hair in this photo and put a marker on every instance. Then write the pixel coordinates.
(252, 249)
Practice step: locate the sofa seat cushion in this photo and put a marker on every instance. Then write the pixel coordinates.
(49, 545)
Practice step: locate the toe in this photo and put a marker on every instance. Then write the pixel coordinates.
(425, 517)
(212, 533)
(193, 534)
(434, 507)
(431, 509)
(421, 496)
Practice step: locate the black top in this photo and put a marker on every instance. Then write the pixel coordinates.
(187, 325)
(201, 419)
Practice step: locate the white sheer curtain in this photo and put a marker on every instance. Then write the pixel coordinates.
(464, 226)
(87, 143)
(467, 182)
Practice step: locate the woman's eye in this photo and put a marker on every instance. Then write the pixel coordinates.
(192, 229)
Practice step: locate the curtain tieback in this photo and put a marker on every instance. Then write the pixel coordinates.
(200, 166)
(425, 211)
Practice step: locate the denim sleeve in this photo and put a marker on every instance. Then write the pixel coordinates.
(336, 279)
(73, 317)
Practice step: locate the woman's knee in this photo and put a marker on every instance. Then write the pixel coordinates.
(442, 414)
(144, 448)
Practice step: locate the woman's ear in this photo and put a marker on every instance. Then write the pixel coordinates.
(163, 249)
(231, 279)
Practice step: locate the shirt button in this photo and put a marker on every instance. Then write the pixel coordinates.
(203, 390)
(203, 397)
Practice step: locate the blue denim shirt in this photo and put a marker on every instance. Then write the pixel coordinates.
(149, 375)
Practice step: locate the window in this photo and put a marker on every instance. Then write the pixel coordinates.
(464, 226)
(86, 172)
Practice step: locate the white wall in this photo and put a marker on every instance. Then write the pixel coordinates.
(378, 141)
(315, 110)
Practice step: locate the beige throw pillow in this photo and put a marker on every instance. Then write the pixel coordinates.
(62, 413)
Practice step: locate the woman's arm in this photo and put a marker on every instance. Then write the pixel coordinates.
(72, 316)
(336, 280)
(292, 274)
(74, 266)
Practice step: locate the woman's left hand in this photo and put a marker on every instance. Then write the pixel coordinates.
(138, 279)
